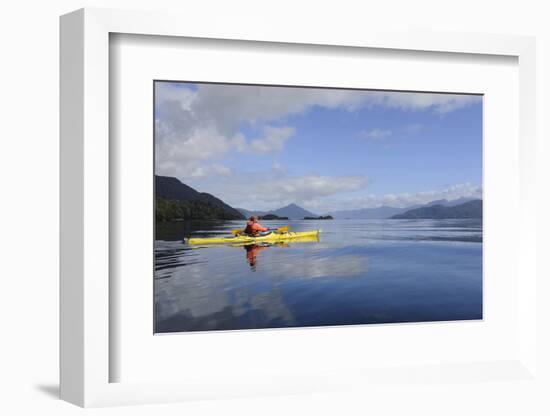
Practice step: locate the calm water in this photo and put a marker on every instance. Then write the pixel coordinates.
(360, 272)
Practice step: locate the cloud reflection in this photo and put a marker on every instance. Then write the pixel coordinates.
(203, 296)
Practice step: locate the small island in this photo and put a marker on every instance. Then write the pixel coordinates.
(322, 217)
(272, 217)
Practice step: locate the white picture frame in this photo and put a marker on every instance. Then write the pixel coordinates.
(85, 210)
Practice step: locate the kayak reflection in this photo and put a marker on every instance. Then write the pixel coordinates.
(253, 250)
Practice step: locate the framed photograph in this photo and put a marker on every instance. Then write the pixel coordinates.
(269, 214)
(367, 206)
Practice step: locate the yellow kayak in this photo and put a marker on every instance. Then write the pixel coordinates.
(268, 238)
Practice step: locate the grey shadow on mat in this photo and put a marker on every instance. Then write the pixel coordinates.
(51, 390)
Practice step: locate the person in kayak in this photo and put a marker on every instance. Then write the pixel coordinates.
(254, 228)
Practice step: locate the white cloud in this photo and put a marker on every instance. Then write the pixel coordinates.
(197, 126)
(399, 200)
(207, 170)
(168, 91)
(273, 141)
(305, 188)
(273, 189)
(374, 134)
(439, 103)
(183, 154)
(278, 167)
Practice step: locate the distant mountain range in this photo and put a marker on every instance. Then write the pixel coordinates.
(368, 213)
(384, 212)
(177, 201)
(470, 209)
(451, 203)
(292, 211)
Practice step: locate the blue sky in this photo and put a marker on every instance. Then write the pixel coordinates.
(261, 147)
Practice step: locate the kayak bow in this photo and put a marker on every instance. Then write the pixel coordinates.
(271, 237)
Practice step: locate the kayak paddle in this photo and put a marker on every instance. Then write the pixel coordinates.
(280, 230)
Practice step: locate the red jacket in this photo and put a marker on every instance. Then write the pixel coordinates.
(254, 228)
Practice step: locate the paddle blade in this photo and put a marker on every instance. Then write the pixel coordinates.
(237, 231)
(283, 229)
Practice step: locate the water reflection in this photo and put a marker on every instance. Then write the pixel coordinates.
(361, 272)
(252, 251)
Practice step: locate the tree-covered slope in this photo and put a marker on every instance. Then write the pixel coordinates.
(471, 209)
(177, 201)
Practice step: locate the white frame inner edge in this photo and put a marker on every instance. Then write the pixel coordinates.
(84, 281)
